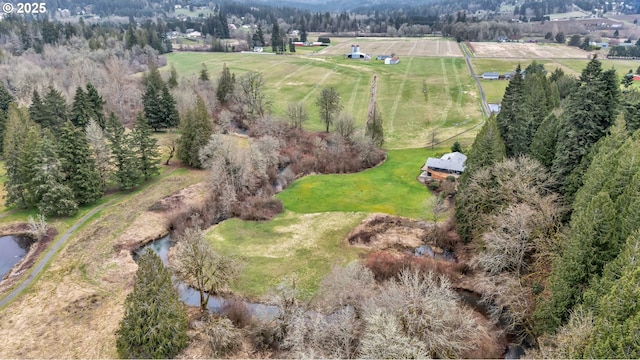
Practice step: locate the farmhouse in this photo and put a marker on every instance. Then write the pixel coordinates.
(491, 76)
(451, 164)
(391, 61)
(194, 34)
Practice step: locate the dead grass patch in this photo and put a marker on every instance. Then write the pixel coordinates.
(74, 308)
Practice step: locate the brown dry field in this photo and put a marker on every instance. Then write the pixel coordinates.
(73, 309)
(527, 51)
(438, 47)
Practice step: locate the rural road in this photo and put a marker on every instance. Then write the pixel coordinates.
(41, 264)
(467, 56)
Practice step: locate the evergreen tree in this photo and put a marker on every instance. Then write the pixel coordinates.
(303, 32)
(78, 165)
(172, 82)
(616, 332)
(124, 159)
(21, 141)
(512, 120)
(260, 35)
(152, 99)
(591, 109)
(52, 196)
(96, 104)
(374, 126)
(155, 321)
(81, 110)
(5, 99)
(581, 259)
(488, 148)
(195, 132)
(226, 83)
(169, 110)
(146, 148)
(54, 110)
(543, 145)
(275, 37)
(204, 73)
(36, 109)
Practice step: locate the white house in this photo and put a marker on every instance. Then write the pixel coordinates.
(391, 60)
(194, 34)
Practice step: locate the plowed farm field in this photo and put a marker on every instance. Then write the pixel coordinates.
(527, 51)
(438, 47)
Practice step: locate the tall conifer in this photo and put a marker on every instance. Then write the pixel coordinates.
(195, 132)
(79, 167)
(126, 164)
(155, 320)
(146, 147)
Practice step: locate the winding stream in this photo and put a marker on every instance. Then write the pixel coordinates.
(191, 296)
(12, 249)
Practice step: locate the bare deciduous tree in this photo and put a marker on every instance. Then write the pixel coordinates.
(297, 114)
(429, 310)
(38, 227)
(383, 338)
(345, 125)
(251, 95)
(197, 264)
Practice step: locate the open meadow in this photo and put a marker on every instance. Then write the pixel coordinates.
(306, 245)
(451, 106)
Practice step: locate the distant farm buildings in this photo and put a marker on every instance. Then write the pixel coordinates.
(451, 164)
(356, 54)
(391, 60)
(490, 76)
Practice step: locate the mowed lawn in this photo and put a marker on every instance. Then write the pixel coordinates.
(452, 104)
(389, 188)
(307, 245)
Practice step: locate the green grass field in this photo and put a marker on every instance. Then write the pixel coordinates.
(452, 106)
(305, 244)
(390, 188)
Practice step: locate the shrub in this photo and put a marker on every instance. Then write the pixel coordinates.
(259, 208)
(433, 185)
(238, 312)
(222, 337)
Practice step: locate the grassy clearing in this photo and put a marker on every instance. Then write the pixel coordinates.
(390, 188)
(304, 244)
(408, 118)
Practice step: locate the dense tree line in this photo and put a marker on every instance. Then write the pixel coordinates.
(589, 246)
(56, 165)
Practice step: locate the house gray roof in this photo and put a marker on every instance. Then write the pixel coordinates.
(490, 74)
(452, 161)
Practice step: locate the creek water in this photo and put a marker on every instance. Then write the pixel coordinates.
(191, 296)
(12, 249)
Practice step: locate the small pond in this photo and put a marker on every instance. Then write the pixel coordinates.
(191, 296)
(12, 249)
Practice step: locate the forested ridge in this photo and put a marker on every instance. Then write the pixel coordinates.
(573, 239)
